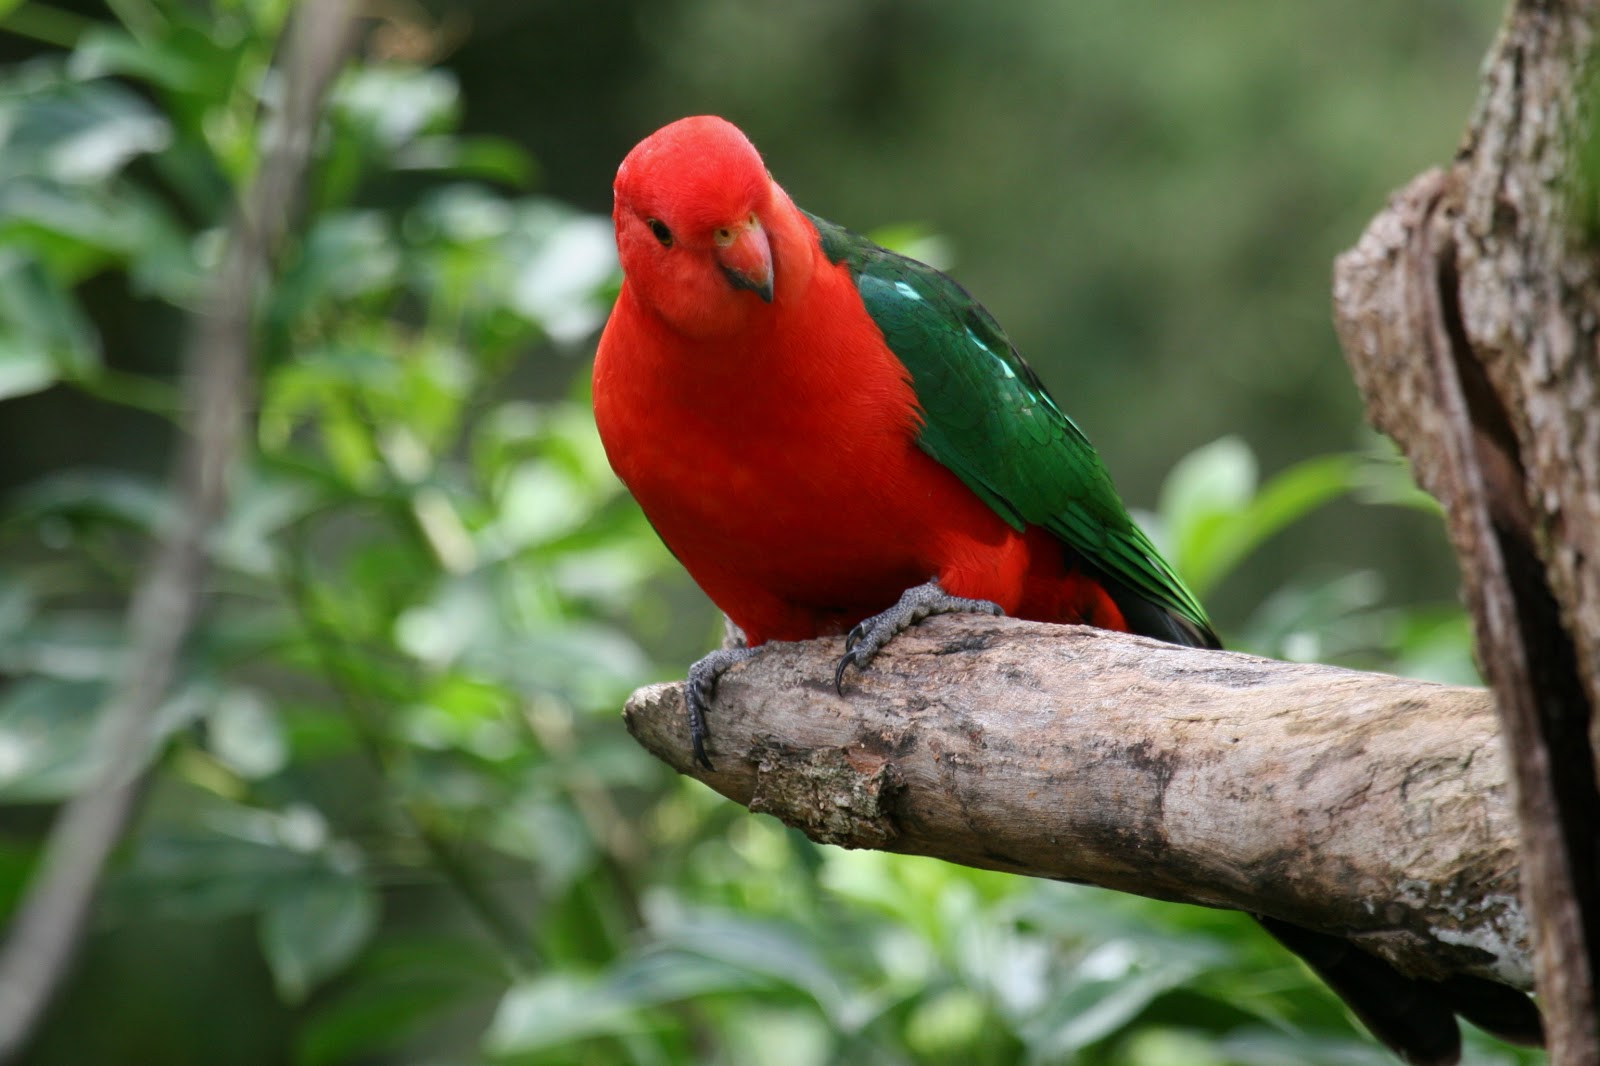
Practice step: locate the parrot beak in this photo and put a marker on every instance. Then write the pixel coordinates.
(746, 257)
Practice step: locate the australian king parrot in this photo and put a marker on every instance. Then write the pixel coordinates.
(834, 439)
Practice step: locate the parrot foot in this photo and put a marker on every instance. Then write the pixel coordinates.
(703, 677)
(868, 636)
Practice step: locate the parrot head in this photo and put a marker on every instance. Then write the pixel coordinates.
(690, 203)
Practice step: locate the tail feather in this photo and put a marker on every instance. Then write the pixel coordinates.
(1497, 1010)
(1415, 1017)
(1153, 620)
(1412, 1017)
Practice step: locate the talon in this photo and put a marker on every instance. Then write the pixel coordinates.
(844, 661)
(703, 677)
(869, 636)
(698, 698)
(697, 727)
(857, 631)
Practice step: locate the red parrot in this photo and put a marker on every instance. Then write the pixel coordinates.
(815, 425)
(835, 439)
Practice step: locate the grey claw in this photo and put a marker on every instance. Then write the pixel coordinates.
(844, 662)
(868, 637)
(853, 637)
(703, 676)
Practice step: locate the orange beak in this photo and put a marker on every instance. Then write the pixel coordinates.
(746, 257)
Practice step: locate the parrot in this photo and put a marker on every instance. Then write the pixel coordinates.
(837, 440)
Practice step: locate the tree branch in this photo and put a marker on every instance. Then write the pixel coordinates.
(1363, 805)
(50, 920)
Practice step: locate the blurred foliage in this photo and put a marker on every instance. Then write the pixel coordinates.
(1215, 512)
(393, 816)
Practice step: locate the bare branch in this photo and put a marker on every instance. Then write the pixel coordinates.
(1367, 806)
(50, 921)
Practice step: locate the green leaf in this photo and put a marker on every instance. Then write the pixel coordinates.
(550, 836)
(537, 503)
(344, 256)
(915, 241)
(1215, 516)
(768, 951)
(489, 158)
(89, 498)
(1203, 489)
(1436, 646)
(107, 50)
(946, 1022)
(75, 132)
(18, 605)
(44, 335)
(1318, 620)
(74, 233)
(401, 986)
(784, 1036)
(264, 503)
(25, 370)
(373, 1018)
(560, 1008)
(203, 857)
(1387, 478)
(313, 931)
(561, 260)
(1097, 1007)
(395, 104)
(1287, 498)
(590, 664)
(245, 734)
(46, 733)
(554, 1010)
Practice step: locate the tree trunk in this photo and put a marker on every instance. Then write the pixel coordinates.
(1469, 311)
(1361, 805)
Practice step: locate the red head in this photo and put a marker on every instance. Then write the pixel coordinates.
(693, 206)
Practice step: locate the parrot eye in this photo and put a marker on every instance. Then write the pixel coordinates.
(659, 228)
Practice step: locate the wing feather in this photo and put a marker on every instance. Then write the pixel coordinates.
(990, 420)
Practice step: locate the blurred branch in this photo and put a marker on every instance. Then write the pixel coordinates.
(1369, 807)
(50, 921)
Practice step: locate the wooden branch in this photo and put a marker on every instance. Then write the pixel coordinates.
(1358, 804)
(1470, 313)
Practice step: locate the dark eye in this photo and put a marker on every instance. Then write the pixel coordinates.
(659, 228)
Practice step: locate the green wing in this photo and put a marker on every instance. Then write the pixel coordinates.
(987, 417)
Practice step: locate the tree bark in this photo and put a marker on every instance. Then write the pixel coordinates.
(1367, 806)
(1470, 312)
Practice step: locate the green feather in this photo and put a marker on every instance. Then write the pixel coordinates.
(988, 418)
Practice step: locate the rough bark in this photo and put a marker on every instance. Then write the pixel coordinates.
(1357, 804)
(1469, 311)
